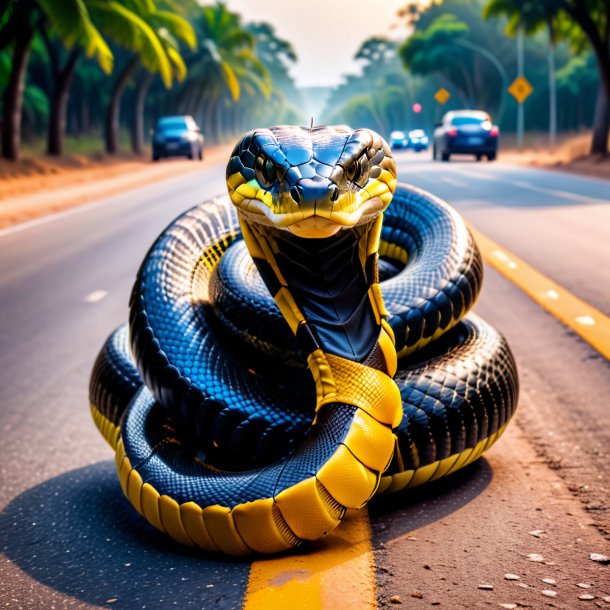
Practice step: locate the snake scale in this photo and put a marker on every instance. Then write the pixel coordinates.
(299, 345)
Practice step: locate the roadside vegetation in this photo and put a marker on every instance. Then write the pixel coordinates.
(469, 48)
(86, 75)
(92, 68)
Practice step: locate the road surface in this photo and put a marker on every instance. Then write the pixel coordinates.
(71, 540)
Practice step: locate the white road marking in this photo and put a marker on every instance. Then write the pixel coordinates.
(532, 187)
(555, 193)
(96, 296)
(482, 175)
(453, 182)
(511, 264)
(586, 320)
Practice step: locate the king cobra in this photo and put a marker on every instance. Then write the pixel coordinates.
(298, 346)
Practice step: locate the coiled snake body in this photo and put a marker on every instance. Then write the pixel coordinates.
(292, 349)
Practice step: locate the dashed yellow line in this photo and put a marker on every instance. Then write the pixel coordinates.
(336, 573)
(587, 321)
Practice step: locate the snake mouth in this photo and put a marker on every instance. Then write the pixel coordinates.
(316, 220)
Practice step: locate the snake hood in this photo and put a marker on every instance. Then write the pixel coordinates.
(311, 181)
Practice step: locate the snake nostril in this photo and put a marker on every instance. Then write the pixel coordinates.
(333, 189)
(295, 193)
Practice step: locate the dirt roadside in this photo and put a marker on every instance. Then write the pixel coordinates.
(505, 533)
(571, 154)
(51, 189)
(541, 490)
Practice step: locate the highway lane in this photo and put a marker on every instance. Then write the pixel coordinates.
(65, 284)
(560, 224)
(557, 222)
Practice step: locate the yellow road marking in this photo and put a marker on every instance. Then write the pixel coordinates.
(336, 573)
(590, 323)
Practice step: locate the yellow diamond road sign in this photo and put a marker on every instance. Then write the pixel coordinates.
(442, 95)
(520, 89)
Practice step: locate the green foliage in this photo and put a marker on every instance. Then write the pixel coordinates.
(427, 51)
(230, 79)
(72, 22)
(454, 46)
(379, 98)
(131, 30)
(35, 103)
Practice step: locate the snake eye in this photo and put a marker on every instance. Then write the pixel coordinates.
(358, 171)
(265, 171)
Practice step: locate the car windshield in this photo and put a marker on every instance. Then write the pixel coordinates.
(468, 120)
(417, 133)
(172, 123)
(397, 135)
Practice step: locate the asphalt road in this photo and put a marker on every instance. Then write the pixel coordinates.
(70, 539)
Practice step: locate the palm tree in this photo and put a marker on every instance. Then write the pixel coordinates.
(171, 30)
(223, 62)
(135, 25)
(62, 18)
(71, 20)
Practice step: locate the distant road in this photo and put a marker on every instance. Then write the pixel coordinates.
(557, 222)
(72, 540)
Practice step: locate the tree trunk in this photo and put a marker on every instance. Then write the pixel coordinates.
(13, 95)
(59, 105)
(600, 42)
(137, 127)
(552, 89)
(113, 114)
(601, 123)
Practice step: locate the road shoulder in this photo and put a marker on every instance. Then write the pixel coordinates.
(26, 198)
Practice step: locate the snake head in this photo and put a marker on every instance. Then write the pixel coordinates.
(311, 182)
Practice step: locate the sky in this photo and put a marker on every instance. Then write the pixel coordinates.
(324, 33)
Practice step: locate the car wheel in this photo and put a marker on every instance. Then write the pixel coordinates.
(491, 156)
(479, 157)
(200, 155)
(434, 156)
(155, 158)
(445, 156)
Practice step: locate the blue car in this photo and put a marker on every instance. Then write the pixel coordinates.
(418, 140)
(466, 132)
(177, 136)
(398, 140)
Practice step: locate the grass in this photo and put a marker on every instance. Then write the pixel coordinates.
(90, 146)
